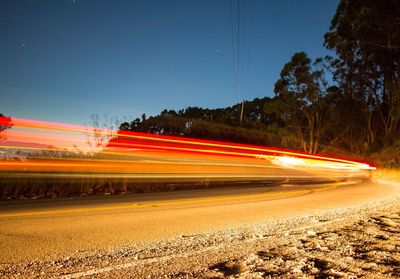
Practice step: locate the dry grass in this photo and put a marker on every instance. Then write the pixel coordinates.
(23, 187)
(393, 174)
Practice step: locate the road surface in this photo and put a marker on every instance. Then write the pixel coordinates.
(51, 229)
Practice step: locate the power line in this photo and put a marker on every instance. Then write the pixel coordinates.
(241, 31)
(249, 14)
(235, 29)
(238, 47)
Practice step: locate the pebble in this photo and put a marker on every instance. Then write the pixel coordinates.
(296, 270)
(311, 233)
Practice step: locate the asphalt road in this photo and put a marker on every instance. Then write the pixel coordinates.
(50, 229)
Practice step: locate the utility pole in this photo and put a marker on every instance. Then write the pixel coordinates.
(241, 112)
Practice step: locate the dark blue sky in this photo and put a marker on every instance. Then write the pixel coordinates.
(63, 60)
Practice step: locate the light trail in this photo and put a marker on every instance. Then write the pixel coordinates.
(35, 124)
(43, 147)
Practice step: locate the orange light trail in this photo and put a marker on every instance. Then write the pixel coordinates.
(41, 146)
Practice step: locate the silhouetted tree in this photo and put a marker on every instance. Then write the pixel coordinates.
(299, 100)
(365, 34)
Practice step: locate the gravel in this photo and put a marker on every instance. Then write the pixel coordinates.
(351, 242)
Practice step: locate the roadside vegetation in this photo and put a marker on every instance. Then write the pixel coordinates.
(20, 186)
(392, 174)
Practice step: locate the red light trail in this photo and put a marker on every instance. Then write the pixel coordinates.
(42, 147)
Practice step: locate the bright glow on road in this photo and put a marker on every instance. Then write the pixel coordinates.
(289, 161)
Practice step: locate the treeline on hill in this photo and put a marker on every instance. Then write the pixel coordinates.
(357, 111)
(215, 124)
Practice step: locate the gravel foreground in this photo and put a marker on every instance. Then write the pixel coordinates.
(362, 241)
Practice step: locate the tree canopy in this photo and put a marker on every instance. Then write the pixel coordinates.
(365, 35)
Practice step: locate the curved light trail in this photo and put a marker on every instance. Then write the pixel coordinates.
(49, 149)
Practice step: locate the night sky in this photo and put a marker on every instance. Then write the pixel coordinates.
(64, 60)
